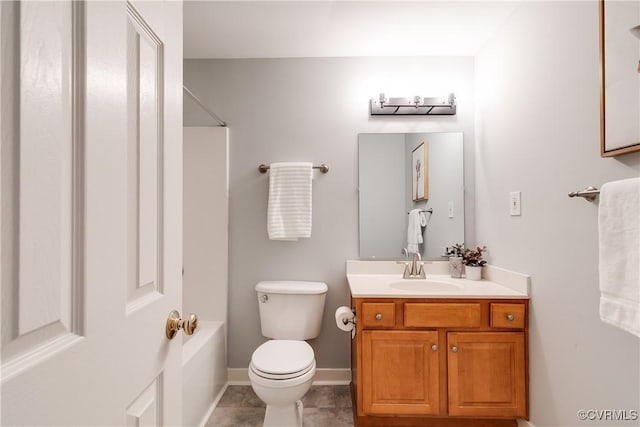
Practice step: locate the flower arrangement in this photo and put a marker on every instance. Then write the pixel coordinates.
(474, 257)
(456, 250)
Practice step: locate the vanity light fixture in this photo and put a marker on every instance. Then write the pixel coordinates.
(415, 106)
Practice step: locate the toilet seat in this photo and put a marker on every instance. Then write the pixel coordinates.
(270, 376)
(282, 359)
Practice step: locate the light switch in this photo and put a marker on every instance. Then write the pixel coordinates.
(450, 209)
(514, 203)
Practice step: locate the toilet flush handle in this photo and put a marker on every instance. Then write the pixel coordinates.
(264, 298)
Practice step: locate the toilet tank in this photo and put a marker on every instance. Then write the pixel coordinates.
(291, 310)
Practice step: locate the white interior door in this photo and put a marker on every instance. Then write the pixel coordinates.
(91, 189)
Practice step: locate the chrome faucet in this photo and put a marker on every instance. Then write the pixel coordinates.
(413, 269)
(417, 267)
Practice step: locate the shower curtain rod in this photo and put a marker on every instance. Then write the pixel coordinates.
(197, 100)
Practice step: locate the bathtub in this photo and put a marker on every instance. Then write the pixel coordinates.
(204, 372)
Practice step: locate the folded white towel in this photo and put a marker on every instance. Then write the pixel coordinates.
(619, 234)
(414, 230)
(289, 211)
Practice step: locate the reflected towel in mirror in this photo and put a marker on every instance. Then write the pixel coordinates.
(417, 220)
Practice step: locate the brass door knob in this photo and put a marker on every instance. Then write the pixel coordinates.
(175, 323)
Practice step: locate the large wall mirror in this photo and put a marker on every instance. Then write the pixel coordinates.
(390, 188)
(620, 77)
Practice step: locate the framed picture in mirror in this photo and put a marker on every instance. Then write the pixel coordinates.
(420, 173)
(620, 77)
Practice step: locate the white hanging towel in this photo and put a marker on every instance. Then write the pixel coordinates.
(414, 230)
(289, 211)
(619, 242)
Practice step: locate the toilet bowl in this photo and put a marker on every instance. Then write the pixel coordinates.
(281, 372)
(282, 369)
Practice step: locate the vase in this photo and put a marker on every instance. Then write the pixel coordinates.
(455, 266)
(473, 272)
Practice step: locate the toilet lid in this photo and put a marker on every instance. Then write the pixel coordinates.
(283, 357)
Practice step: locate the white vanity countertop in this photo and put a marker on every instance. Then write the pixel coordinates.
(383, 279)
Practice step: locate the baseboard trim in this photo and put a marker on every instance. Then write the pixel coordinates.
(525, 423)
(237, 376)
(324, 376)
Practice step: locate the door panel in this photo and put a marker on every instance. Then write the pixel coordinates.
(41, 181)
(146, 410)
(45, 167)
(146, 129)
(91, 216)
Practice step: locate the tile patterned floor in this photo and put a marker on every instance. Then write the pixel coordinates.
(324, 406)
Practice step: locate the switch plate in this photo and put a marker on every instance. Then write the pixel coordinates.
(450, 209)
(515, 203)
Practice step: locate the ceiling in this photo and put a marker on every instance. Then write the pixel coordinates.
(294, 29)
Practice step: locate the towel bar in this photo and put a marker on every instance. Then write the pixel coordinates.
(590, 193)
(324, 168)
(430, 210)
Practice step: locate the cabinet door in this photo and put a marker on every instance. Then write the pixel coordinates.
(400, 372)
(486, 374)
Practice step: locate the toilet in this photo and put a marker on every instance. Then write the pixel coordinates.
(282, 369)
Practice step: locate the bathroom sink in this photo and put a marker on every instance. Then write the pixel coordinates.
(425, 285)
(383, 279)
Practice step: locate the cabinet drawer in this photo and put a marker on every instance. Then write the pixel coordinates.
(507, 315)
(441, 315)
(378, 315)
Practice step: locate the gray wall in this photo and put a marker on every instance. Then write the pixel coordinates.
(538, 133)
(381, 181)
(311, 110)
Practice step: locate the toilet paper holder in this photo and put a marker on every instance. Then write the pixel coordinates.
(346, 319)
(351, 320)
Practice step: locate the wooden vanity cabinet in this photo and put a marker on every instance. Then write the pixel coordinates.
(440, 362)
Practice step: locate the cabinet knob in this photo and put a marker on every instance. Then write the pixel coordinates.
(454, 349)
(379, 316)
(434, 348)
(509, 317)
